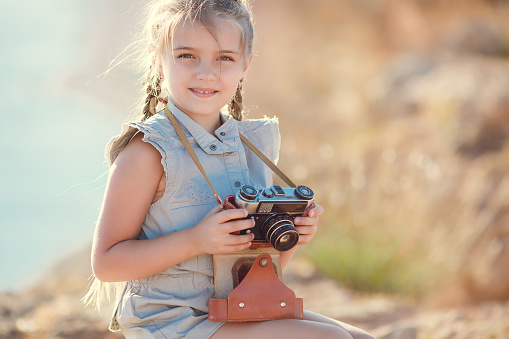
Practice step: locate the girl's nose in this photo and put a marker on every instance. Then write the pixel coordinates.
(207, 71)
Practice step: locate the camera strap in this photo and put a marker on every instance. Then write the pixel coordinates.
(248, 143)
(267, 161)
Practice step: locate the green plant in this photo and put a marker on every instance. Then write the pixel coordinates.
(371, 261)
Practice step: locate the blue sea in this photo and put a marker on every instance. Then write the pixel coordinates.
(57, 113)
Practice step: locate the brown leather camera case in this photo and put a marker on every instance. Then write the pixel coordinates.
(259, 296)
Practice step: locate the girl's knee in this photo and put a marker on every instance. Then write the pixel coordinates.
(326, 331)
(334, 331)
(361, 335)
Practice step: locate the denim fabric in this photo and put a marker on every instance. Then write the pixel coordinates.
(174, 303)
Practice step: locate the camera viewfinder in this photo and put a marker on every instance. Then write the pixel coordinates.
(278, 190)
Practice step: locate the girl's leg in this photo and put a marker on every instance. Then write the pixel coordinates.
(281, 329)
(355, 332)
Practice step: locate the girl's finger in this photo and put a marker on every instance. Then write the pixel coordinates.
(227, 215)
(306, 230)
(316, 211)
(239, 239)
(238, 225)
(305, 221)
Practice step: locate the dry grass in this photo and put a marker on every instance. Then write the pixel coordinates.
(403, 214)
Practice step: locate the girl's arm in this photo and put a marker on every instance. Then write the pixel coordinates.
(118, 255)
(306, 226)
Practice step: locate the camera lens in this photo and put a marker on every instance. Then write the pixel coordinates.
(285, 239)
(280, 232)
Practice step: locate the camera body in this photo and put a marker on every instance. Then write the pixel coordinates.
(273, 210)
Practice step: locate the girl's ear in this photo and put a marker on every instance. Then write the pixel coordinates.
(249, 60)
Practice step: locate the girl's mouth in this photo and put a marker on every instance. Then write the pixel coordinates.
(203, 92)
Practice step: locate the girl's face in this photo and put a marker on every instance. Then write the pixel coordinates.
(201, 71)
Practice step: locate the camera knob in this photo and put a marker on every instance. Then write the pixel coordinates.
(304, 192)
(248, 193)
(267, 193)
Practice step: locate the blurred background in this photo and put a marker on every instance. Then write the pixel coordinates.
(395, 112)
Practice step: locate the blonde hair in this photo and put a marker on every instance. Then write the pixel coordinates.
(162, 19)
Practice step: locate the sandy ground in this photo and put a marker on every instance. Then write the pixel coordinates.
(390, 317)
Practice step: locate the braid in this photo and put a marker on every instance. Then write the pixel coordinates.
(235, 106)
(153, 90)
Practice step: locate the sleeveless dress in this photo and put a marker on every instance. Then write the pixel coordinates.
(174, 303)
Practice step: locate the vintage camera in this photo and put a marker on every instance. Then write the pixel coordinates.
(273, 210)
(248, 284)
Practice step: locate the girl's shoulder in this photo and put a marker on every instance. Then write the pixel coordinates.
(140, 153)
(264, 125)
(264, 133)
(155, 130)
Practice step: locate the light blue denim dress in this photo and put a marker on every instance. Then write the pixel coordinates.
(174, 303)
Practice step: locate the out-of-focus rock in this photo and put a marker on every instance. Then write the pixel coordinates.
(475, 37)
(484, 268)
(389, 92)
(466, 99)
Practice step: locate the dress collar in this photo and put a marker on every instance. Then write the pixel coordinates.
(208, 143)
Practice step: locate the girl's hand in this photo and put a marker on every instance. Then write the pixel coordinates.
(213, 234)
(307, 226)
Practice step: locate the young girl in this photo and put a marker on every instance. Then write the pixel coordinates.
(160, 224)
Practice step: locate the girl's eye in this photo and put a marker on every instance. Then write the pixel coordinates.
(185, 56)
(226, 58)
